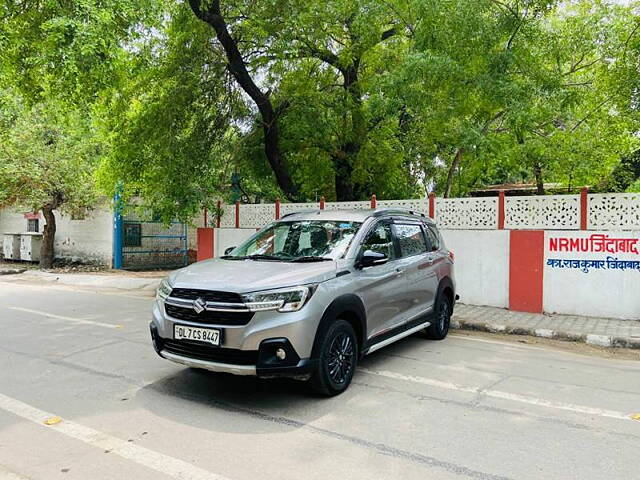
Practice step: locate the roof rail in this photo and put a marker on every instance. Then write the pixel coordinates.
(398, 211)
(308, 210)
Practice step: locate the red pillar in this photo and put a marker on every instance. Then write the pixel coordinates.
(219, 212)
(584, 208)
(501, 210)
(374, 201)
(432, 205)
(205, 244)
(277, 209)
(322, 203)
(526, 268)
(237, 214)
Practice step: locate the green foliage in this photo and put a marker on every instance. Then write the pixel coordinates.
(47, 158)
(388, 96)
(169, 126)
(70, 48)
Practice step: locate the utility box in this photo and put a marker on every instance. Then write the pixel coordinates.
(30, 246)
(11, 246)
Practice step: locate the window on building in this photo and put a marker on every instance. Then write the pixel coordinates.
(132, 235)
(33, 225)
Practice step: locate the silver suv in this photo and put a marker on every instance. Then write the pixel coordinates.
(309, 295)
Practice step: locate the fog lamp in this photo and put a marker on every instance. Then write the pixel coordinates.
(281, 354)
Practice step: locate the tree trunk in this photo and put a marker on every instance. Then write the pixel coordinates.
(537, 171)
(48, 237)
(346, 188)
(452, 171)
(343, 183)
(209, 12)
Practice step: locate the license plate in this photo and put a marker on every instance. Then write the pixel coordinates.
(204, 335)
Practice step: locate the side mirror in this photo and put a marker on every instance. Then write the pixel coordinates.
(370, 258)
(227, 251)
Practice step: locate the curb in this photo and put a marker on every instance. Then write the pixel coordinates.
(144, 284)
(591, 339)
(12, 271)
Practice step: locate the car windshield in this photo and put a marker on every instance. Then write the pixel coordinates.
(298, 241)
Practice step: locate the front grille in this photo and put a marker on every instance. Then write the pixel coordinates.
(206, 316)
(211, 353)
(206, 295)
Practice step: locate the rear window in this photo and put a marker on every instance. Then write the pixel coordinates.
(432, 237)
(411, 240)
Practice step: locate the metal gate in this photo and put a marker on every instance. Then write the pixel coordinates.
(142, 242)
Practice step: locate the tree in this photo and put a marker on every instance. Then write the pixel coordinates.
(47, 161)
(210, 13)
(169, 124)
(518, 90)
(70, 50)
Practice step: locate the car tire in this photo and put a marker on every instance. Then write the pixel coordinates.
(338, 357)
(441, 321)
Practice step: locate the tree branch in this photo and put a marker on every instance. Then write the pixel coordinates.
(238, 68)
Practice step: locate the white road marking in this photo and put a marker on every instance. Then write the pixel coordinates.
(143, 294)
(496, 342)
(79, 321)
(159, 462)
(6, 474)
(514, 397)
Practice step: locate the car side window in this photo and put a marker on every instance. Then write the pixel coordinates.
(432, 238)
(380, 240)
(411, 239)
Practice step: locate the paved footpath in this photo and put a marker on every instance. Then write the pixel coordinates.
(604, 332)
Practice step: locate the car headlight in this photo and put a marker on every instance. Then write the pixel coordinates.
(164, 290)
(283, 300)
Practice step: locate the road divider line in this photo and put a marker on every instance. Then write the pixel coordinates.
(159, 462)
(79, 321)
(514, 397)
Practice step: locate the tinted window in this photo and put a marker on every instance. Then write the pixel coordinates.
(411, 240)
(432, 237)
(380, 240)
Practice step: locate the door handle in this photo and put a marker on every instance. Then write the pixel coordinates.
(428, 262)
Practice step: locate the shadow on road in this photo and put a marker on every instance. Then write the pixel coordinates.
(191, 395)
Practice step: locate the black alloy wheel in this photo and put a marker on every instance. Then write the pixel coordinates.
(338, 359)
(441, 321)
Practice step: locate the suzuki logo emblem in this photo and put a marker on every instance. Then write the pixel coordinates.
(199, 305)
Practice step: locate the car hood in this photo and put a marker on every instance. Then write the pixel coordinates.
(250, 275)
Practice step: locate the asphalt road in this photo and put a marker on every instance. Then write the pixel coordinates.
(466, 407)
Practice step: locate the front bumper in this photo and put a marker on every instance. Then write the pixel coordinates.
(263, 362)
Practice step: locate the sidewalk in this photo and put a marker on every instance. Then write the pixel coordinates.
(603, 332)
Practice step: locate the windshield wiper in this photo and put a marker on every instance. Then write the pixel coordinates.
(260, 256)
(311, 258)
(232, 257)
